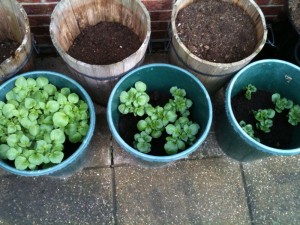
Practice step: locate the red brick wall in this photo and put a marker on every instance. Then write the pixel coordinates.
(39, 12)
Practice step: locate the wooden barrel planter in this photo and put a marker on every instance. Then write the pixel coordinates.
(214, 75)
(14, 26)
(70, 17)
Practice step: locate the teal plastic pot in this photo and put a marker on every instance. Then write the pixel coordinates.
(161, 77)
(74, 161)
(269, 75)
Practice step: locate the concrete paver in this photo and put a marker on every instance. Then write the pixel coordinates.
(189, 192)
(99, 152)
(84, 198)
(273, 189)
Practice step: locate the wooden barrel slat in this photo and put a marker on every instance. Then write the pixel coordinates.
(71, 16)
(14, 25)
(215, 75)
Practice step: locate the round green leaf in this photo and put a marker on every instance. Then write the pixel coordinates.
(170, 148)
(124, 97)
(140, 86)
(52, 106)
(12, 154)
(57, 136)
(74, 138)
(141, 125)
(60, 119)
(30, 103)
(42, 81)
(21, 163)
(73, 98)
(36, 158)
(56, 157)
(7, 110)
(3, 151)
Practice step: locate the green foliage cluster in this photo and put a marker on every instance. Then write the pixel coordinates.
(249, 90)
(248, 129)
(281, 103)
(294, 115)
(265, 116)
(172, 118)
(35, 121)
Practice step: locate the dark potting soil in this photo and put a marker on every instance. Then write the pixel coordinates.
(216, 31)
(127, 125)
(7, 49)
(281, 131)
(105, 43)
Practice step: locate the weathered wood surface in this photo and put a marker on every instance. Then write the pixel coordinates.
(71, 16)
(14, 25)
(219, 73)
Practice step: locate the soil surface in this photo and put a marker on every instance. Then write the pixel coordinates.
(127, 125)
(104, 44)
(7, 49)
(216, 31)
(281, 131)
(294, 10)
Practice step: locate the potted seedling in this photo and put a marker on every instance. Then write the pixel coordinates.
(167, 109)
(47, 120)
(172, 119)
(261, 117)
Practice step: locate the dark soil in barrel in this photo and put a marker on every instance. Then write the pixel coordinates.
(294, 10)
(281, 131)
(216, 31)
(7, 49)
(105, 43)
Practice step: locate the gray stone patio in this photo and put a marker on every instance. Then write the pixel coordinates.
(115, 188)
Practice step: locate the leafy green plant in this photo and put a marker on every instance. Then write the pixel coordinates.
(172, 119)
(281, 103)
(294, 115)
(248, 129)
(249, 90)
(135, 100)
(36, 120)
(264, 118)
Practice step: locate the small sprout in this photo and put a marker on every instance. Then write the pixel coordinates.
(281, 103)
(294, 115)
(248, 129)
(142, 142)
(249, 90)
(264, 118)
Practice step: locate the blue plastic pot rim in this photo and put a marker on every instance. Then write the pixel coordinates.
(153, 158)
(83, 145)
(229, 113)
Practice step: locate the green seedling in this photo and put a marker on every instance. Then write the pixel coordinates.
(35, 121)
(281, 103)
(248, 129)
(294, 115)
(171, 118)
(249, 90)
(264, 118)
